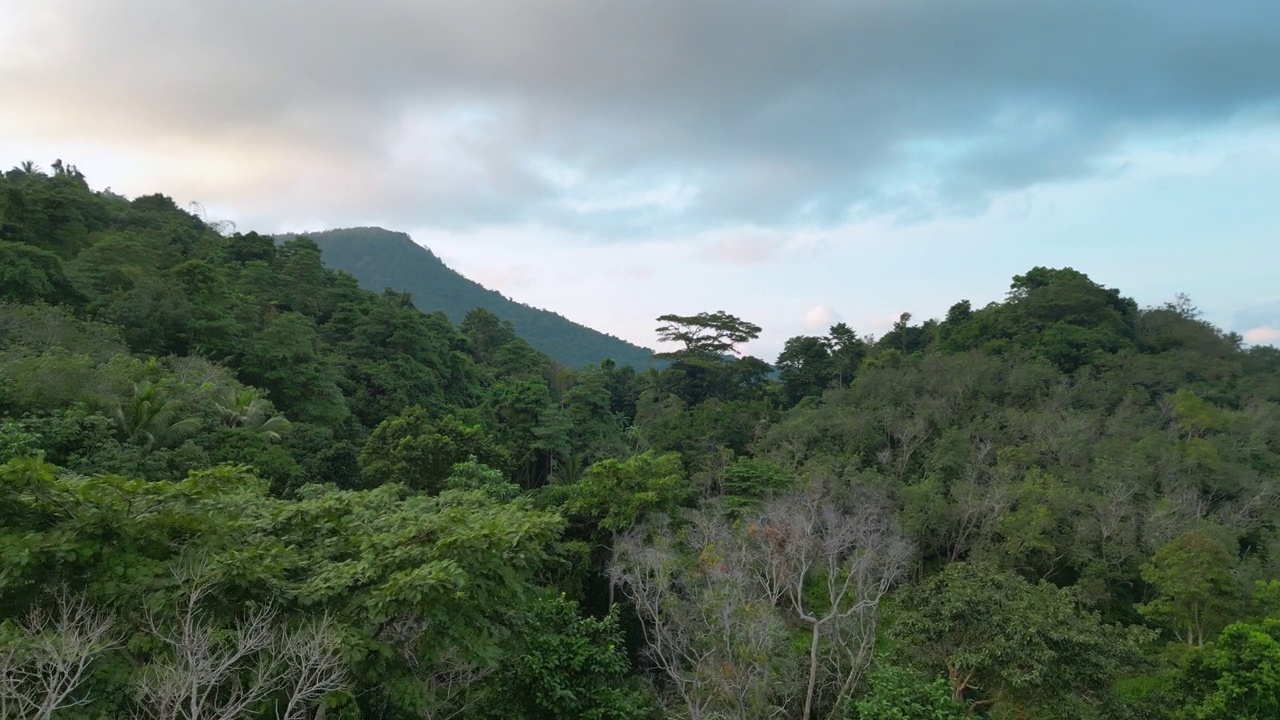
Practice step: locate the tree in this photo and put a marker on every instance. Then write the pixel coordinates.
(1236, 676)
(45, 661)
(568, 666)
(896, 693)
(714, 600)
(153, 418)
(415, 451)
(207, 672)
(616, 495)
(246, 408)
(827, 561)
(847, 352)
(705, 335)
(487, 333)
(1002, 640)
(708, 627)
(804, 367)
(1196, 592)
(30, 275)
(287, 359)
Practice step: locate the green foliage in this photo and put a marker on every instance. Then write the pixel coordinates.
(708, 335)
(415, 451)
(1196, 592)
(472, 475)
(1236, 676)
(895, 693)
(569, 666)
(618, 494)
(285, 359)
(449, 566)
(17, 441)
(29, 274)
(747, 481)
(1001, 640)
(179, 403)
(804, 367)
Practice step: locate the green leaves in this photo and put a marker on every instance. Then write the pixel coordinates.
(999, 639)
(1237, 676)
(569, 666)
(418, 452)
(706, 335)
(454, 565)
(895, 693)
(1196, 591)
(618, 494)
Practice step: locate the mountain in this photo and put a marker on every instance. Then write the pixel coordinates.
(381, 259)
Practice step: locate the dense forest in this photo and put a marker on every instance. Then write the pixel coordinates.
(234, 484)
(381, 259)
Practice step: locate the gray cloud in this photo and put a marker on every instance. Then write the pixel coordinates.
(1265, 315)
(629, 117)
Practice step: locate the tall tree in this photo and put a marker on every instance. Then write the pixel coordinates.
(705, 335)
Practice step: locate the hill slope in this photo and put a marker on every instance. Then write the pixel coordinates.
(381, 258)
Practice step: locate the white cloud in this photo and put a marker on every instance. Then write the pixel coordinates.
(819, 318)
(1264, 335)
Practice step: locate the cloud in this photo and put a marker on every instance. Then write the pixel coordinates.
(1261, 317)
(1265, 335)
(820, 318)
(627, 119)
(739, 250)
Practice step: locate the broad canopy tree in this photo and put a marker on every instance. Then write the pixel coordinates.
(705, 335)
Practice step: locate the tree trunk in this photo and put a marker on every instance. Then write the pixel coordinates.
(813, 671)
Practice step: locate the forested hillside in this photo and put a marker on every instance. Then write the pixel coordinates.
(381, 259)
(234, 484)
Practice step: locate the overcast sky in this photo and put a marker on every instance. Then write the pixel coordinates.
(794, 163)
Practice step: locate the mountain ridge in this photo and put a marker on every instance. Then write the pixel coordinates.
(379, 258)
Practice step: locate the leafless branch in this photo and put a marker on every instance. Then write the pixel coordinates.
(212, 672)
(43, 670)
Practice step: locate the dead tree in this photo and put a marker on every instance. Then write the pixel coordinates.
(852, 554)
(42, 669)
(211, 672)
(708, 630)
(716, 598)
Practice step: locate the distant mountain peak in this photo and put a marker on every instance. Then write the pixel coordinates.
(379, 258)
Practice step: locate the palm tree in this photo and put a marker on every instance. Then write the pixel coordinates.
(246, 408)
(151, 417)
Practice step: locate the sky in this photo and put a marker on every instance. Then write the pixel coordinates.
(793, 163)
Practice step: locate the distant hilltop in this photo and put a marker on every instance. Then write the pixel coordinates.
(380, 259)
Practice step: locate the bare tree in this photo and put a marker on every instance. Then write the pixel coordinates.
(712, 633)
(715, 598)
(313, 668)
(210, 672)
(853, 553)
(41, 671)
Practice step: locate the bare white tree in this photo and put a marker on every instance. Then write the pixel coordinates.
(43, 668)
(852, 554)
(313, 668)
(707, 628)
(210, 672)
(716, 597)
